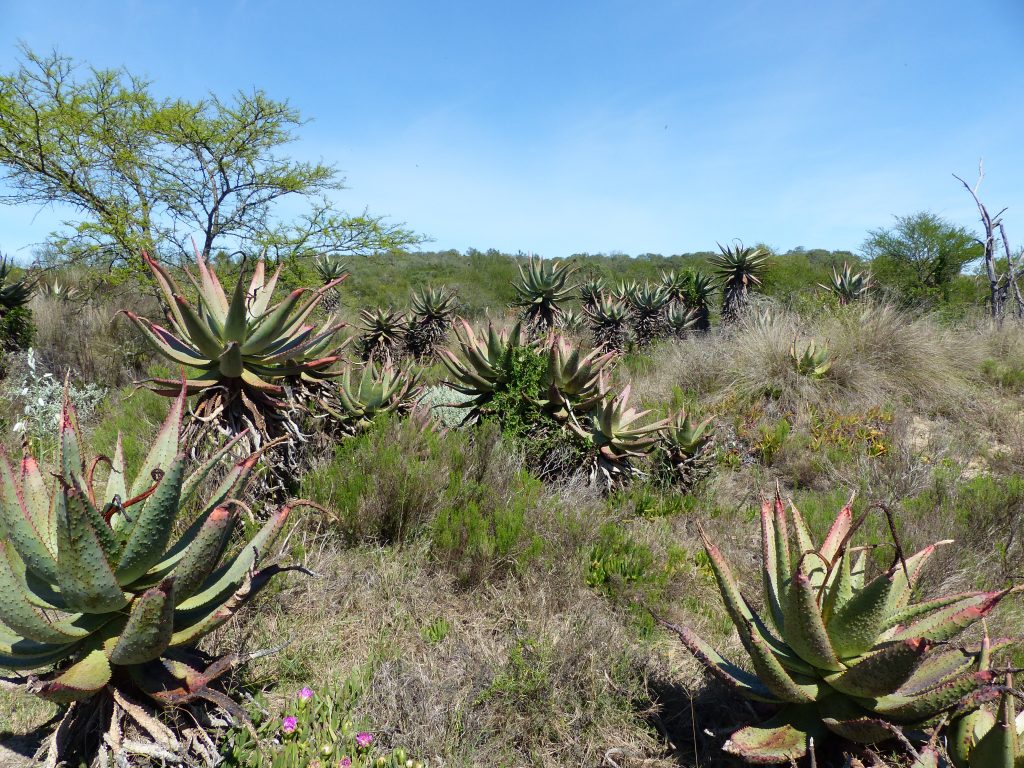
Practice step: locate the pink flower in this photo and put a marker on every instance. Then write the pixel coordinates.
(364, 739)
(289, 724)
(306, 694)
(345, 762)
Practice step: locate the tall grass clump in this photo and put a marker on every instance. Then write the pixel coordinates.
(882, 352)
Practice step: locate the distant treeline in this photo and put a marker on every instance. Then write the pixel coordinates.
(483, 279)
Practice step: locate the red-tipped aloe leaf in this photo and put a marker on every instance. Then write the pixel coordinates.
(77, 683)
(20, 527)
(165, 446)
(203, 554)
(928, 703)
(804, 629)
(881, 672)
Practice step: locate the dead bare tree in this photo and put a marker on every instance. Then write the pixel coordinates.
(1000, 283)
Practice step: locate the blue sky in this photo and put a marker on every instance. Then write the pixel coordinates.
(560, 127)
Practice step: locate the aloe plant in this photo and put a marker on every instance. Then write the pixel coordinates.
(93, 584)
(332, 269)
(541, 289)
(381, 334)
(13, 293)
(482, 368)
(838, 652)
(682, 448)
(648, 304)
(590, 292)
(432, 312)
(611, 431)
(573, 382)
(379, 389)
(244, 351)
(609, 323)
(848, 286)
(680, 321)
(812, 361)
(739, 270)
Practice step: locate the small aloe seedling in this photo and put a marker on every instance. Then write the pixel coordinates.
(811, 361)
(93, 584)
(838, 652)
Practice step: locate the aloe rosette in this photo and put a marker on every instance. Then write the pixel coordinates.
(355, 402)
(573, 380)
(245, 340)
(541, 288)
(858, 658)
(91, 581)
(611, 431)
(483, 367)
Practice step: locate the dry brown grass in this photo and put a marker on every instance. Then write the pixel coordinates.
(536, 671)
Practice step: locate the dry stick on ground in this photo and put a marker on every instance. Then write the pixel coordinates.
(999, 285)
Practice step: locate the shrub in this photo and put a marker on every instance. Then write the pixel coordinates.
(17, 331)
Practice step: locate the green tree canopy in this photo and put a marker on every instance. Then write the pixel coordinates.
(920, 256)
(144, 173)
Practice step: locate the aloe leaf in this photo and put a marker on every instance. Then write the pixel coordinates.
(18, 614)
(18, 653)
(147, 537)
(203, 554)
(836, 536)
(881, 672)
(263, 293)
(199, 331)
(235, 321)
(164, 449)
(19, 525)
(805, 631)
(150, 626)
(965, 732)
(79, 507)
(737, 678)
(70, 462)
(769, 566)
(38, 503)
(269, 329)
(783, 739)
(948, 622)
(227, 579)
(212, 291)
(86, 581)
(940, 665)
(116, 480)
(1000, 746)
(932, 701)
(782, 559)
(229, 362)
(772, 674)
(78, 682)
(167, 344)
(862, 730)
(168, 287)
(855, 627)
(190, 625)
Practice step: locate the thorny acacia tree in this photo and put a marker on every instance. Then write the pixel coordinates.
(147, 174)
